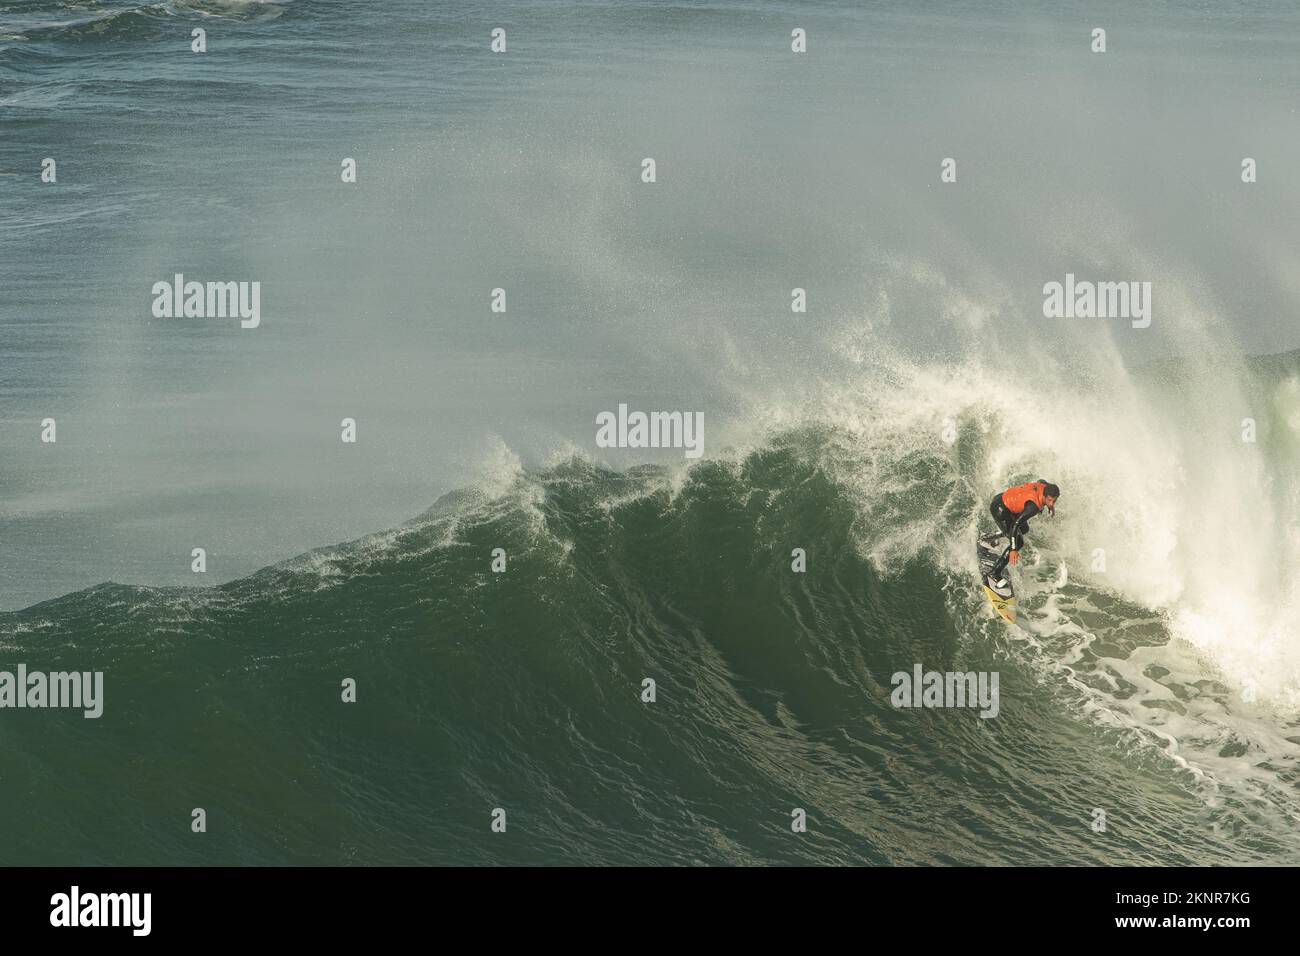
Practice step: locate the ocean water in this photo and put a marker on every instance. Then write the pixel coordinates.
(1155, 676)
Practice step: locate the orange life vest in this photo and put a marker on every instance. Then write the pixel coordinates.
(1015, 498)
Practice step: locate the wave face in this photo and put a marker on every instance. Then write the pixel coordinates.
(522, 689)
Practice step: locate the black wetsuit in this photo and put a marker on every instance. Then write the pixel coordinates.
(1014, 526)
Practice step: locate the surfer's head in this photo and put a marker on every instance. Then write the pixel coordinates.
(1050, 493)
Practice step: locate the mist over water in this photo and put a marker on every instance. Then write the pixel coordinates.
(1172, 675)
(522, 171)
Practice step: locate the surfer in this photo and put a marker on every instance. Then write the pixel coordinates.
(1012, 510)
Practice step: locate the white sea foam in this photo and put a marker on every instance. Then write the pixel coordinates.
(1199, 531)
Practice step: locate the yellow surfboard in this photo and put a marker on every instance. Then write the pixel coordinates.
(989, 548)
(1005, 607)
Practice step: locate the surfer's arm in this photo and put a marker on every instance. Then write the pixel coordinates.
(1022, 523)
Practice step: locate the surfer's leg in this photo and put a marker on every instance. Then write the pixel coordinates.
(1004, 518)
(1016, 542)
(1006, 521)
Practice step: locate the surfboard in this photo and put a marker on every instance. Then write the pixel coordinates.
(989, 548)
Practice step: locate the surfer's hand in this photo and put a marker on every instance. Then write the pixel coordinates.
(1014, 556)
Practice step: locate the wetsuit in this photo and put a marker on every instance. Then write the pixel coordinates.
(1012, 510)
